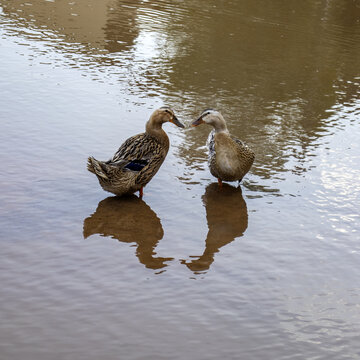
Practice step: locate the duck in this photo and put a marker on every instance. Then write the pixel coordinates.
(138, 159)
(230, 159)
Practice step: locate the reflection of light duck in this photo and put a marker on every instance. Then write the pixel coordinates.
(227, 219)
(229, 158)
(119, 218)
(138, 158)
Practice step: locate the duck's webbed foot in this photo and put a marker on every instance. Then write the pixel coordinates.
(220, 183)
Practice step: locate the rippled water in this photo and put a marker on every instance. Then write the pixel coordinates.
(267, 270)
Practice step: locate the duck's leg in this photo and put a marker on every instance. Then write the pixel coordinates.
(220, 183)
(141, 192)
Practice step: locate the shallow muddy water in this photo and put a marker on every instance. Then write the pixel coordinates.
(267, 270)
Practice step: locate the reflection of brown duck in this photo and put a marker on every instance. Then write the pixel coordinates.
(119, 218)
(227, 218)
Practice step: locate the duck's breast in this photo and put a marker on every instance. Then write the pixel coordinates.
(227, 157)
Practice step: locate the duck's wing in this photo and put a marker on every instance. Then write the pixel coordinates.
(243, 146)
(136, 152)
(132, 148)
(238, 141)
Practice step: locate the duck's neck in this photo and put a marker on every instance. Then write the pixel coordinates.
(219, 124)
(221, 128)
(155, 129)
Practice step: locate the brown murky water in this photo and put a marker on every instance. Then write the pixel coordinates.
(269, 270)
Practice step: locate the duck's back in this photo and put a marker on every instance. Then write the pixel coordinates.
(140, 146)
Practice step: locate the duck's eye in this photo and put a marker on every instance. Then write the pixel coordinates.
(168, 111)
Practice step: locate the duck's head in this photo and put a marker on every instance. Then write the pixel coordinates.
(163, 115)
(211, 117)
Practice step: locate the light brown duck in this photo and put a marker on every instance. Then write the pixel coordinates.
(229, 158)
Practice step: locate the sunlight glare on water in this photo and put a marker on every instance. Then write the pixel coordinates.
(264, 270)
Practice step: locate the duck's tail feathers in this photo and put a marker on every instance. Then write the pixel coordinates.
(95, 167)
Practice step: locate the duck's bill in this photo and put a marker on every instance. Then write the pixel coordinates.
(177, 122)
(198, 121)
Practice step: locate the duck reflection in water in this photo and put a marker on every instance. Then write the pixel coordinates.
(119, 218)
(227, 218)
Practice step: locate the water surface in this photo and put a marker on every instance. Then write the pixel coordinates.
(267, 270)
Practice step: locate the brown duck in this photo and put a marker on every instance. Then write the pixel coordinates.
(229, 158)
(138, 158)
